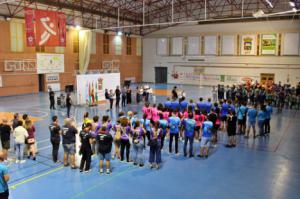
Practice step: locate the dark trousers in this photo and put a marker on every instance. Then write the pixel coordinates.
(117, 102)
(4, 195)
(162, 140)
(55, 148)
(111, 101)
(52, 103)
(125, 144)
(68, 110)
(123, 101)
(191, 141)
(155, 154)
(171, 141)
(147, 97)
(86, 160)
(267, 126)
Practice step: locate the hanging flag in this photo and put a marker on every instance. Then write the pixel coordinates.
(61, 17)
(29, 23)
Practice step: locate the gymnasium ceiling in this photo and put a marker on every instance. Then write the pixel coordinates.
(104, 13)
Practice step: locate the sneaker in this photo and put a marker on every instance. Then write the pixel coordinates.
(87, 171)
(73, 167)
(151, 166)
(113, 157)
(135, 164)
(107, 171)
(184, 155)
(22, 161)
(157, 166)
(246, 137)
(141, 165)
(80, 171)
(178, 154)
(101, 171)
(66, 165)
(17, 161)
(191, 156)
(28, 157)
(34, 159)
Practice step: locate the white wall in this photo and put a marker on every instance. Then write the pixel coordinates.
(284, 67)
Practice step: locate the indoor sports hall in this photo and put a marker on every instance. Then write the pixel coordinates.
(149, 99)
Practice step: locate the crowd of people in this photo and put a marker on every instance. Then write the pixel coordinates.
(236, 110)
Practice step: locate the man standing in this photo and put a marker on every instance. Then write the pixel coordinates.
(174, 123)
(52, 99)
(118, 96)
(69, 139)
(104, 140)
(5, 131)
(54, 137)
(189, 133)
(4, 178)
(174, 93)
(68, 104)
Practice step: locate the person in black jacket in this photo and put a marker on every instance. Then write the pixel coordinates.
(54, 138)
(86, 148)
(69, 139)
(104, 140)
(68, 104)
(118, 96)
(52, 99)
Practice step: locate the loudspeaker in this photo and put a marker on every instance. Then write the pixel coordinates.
(127, 83)
(69, 88)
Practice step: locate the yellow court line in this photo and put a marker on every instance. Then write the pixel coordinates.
(35, 177)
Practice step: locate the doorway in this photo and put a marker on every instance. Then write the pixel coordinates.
(267, 78)
(161, 75)
(41, 83)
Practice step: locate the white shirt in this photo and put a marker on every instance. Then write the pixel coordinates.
(20, 134)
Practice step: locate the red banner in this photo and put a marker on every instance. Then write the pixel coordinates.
(46, 28)
(62, 28)
(29, 21)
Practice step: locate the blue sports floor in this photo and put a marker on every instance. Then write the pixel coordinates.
(261, 168)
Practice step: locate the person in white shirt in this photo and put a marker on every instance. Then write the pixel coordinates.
(20, 134)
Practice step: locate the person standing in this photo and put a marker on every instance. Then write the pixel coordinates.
(155, 146)
(111, 99)
(118, 96)
(252, 114)
(69, 139)
(206, 138)
(31, 139)
(231, 128)
(5, 131)
(55, 137)
(20, 134)
(261, 117)
(174, 123)
(123, 94)
(104, 139)
(269, 111)
(52, 99)
(69, 104)
(86, 148)
(189, 133)
(138, 146)
(4, 177)
(128, 95)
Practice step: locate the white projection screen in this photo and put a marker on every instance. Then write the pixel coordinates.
(162, 46)
(228, 45)
(290, 44)
(177, 45)
(193, 47)
(210, 45)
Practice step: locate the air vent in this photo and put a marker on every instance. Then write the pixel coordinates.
(196, 59)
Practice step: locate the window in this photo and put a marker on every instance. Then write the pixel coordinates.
(40, 49)
(16, 36)
(105, 44)
(138, 46)
(118, 45)
(94, 43)
(60, 49)
(75, 41)
(128, 46)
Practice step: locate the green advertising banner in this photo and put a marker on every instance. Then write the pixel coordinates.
(268, 44)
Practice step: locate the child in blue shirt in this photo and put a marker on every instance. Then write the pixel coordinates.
(206, 138)
(252, 114)
(174, 123)
(261, 116)
(269, 111)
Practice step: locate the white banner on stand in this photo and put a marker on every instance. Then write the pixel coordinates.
(91, 87)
